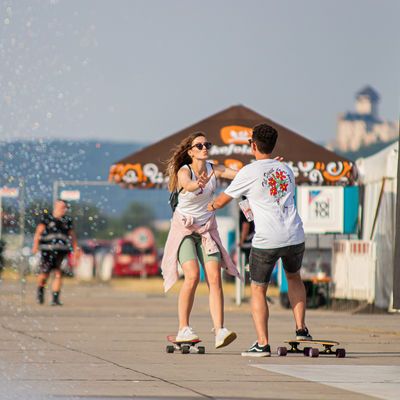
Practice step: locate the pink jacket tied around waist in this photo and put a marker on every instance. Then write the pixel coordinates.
(182, 226)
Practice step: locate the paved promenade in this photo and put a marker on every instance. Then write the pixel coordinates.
(108, 341)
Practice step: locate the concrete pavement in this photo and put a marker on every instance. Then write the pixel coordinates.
(108, 341)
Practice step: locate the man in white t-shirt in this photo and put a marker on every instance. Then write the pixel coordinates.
(269, 186)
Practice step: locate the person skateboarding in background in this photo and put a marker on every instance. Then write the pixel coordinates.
(269, 186)
(53, 237)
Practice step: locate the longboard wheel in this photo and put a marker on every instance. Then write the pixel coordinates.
(185, 349)
(340, 353)
(170, 349)
(201, 349)
(306, 351)
(281, 351)
(314, 352)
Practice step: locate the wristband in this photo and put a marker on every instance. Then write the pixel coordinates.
(212, 206)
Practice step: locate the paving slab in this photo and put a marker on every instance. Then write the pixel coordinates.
(108, 341)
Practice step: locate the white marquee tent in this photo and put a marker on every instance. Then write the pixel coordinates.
(378, 174)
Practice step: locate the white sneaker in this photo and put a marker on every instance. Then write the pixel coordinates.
(224, 337)
(186, 334)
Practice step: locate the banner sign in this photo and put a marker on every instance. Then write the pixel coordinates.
(230, 147)
(321, 208)
(149, 174)
(141, 237)
(70, 195)
(9, 192)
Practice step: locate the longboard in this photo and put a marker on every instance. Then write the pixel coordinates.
(311, 351)
(186, 347)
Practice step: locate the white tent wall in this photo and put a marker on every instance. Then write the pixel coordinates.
(384, 238)
(378, 174)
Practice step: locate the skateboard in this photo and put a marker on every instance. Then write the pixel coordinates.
(186, 347)
(310, 351)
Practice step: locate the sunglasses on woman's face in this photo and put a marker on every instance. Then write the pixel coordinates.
(207, 145)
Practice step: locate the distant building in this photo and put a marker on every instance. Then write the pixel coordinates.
(363, 127)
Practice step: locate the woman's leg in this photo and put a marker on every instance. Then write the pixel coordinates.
(191, 272)
(212, 272)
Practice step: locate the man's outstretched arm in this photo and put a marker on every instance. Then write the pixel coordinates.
(220, 202)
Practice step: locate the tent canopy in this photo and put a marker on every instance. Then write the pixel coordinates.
(380, 165)
(378, 174)
(229, 131)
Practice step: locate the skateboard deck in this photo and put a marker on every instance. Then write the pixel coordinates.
(310, 351)
(189, 346)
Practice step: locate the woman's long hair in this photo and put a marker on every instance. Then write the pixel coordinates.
(179, 158)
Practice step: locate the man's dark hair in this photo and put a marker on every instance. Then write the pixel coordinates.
(265, 136)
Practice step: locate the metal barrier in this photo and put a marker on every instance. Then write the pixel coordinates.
(353, 270)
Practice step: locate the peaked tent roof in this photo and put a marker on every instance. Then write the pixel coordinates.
(380, 165)
(229, 131)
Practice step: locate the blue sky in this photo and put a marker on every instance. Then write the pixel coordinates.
(131, 70)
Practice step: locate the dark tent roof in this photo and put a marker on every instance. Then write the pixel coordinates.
(229, 131)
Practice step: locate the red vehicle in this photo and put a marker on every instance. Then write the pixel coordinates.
(136, 254)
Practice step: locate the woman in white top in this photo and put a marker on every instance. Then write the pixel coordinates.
(189, 170)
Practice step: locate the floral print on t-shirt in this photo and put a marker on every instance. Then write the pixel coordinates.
(277, 181)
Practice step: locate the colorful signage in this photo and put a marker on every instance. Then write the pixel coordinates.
(236, 134)
(321, 208)
(70, 195)
(9, 192)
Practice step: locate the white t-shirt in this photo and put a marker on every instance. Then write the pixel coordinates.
(195, 203)
(269, 186)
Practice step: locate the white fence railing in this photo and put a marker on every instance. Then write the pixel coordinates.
(353, 270)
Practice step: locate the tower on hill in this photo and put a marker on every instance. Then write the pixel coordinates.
(364, 126)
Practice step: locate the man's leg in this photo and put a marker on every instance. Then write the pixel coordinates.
(56, 288)
(44, 271)
(292, 258)
(57, 261)
(57, 280)
(297, 297)
(262, 262)
(260, 312)
(42, 279)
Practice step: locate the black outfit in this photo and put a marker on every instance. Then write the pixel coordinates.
(2, 246)
(54, 242)
(246, 246)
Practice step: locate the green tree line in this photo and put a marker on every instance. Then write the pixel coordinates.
(88, 220)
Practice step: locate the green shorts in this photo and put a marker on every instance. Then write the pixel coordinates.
(191, 248)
